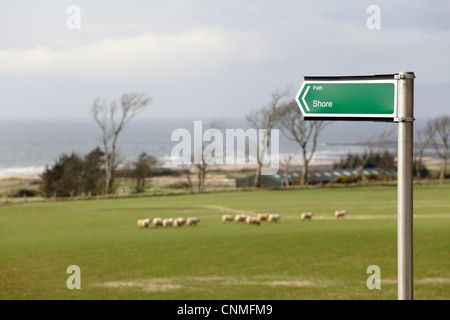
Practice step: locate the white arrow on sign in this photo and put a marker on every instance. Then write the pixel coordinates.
(303, 98)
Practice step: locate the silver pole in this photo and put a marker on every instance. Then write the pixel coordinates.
(405, 184)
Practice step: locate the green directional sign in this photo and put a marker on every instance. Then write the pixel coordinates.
(361, 99)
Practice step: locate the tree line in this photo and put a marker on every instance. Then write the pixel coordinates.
(384, 161)
(94, 172)
(436, 133)
(74, 175)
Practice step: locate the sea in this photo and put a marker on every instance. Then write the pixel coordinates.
(27, 147)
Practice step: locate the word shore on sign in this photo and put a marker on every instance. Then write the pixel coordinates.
(372, 98)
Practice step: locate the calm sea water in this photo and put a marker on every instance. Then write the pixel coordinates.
(26, 147)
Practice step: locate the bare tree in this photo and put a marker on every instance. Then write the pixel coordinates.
(286, 163)
(424, 138)
(216, 125)
(265, 118)
(439, 131)
(186, 172)
(111, 125)
(143, 168)
(295, 128)
(202, 174)
(372, 146)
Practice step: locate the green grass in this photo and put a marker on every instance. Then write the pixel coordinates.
(292, 259)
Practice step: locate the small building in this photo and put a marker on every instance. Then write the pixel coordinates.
(325, 176)
(319, 176)
(273, 181)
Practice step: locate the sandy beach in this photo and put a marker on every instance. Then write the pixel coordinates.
(9, 181)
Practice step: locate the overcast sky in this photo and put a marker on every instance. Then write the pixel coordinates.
(204, 58)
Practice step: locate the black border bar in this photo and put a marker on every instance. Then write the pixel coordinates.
(344, 78)
(367, 119)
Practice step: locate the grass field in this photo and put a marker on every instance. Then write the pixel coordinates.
(292, 259)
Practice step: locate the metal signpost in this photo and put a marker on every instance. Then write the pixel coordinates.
(388, 98)
(405, 185)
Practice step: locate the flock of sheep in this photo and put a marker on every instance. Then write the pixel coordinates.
(178, 222)
(251, 220)
(169, 222)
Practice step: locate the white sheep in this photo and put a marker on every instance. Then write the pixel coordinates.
(306, 215)
(192, 221)
(252, 220)
(179, 222)
(340, 213)
(240, 218)
(143, 223)
(262, 216)
(274, 217)
(157, 222)
(167, 222)
(226, 218)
